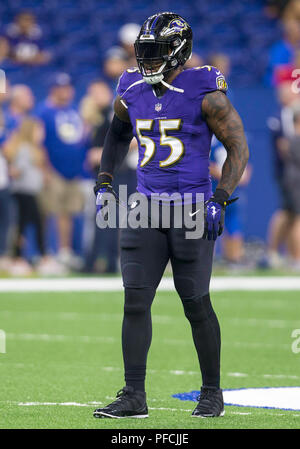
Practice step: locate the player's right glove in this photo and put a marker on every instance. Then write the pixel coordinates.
(214, 214)
(103, 186)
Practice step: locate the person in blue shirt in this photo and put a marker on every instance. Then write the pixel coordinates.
(66, 145)
(284, 51)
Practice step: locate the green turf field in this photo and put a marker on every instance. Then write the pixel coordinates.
(64, 357)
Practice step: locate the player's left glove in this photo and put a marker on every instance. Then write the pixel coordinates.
(214, 213)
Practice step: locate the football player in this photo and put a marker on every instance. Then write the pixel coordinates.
(173, 113)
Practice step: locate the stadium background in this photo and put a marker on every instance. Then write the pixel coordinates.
(63, 349)
(79, 33)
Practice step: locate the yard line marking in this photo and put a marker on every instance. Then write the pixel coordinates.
(237, 374)
(280, 376)
(115, 284)
(175, 372)
(34, 314)
(74, 404)
(157, 319)
(277, 324)
(170, 409)
(52, 338)
(88, 404)
(60, 338)
(96, 403)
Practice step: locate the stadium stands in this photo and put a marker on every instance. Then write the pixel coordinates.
(78, 33)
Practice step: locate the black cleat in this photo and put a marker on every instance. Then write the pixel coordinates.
(210, 404)
(129, 404)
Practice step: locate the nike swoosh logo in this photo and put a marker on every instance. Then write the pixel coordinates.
(194, 213)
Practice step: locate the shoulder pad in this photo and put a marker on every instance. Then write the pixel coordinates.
(128, 79)
(206, 79)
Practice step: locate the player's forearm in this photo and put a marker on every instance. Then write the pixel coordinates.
(116, 146)
(226, 124)
(234, 165)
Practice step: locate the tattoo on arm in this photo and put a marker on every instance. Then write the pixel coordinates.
(226, 124)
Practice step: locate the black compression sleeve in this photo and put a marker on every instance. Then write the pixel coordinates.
(116, 145)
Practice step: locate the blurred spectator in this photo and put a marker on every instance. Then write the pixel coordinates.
(25, 37)
(233, 239)
(127, 36)
(282, 128)
(119, 58)
(222, 62)
(27, 168)
(5, 61)
(285, 71)
(66, 146)
(96, 112)
(276, 8)
(4, 211)
(4, 96)
(194, 61)
(114, 64)
(292, 10)
(284, 51)
(4, 50)
(102, 244)
(291, 183)
(21, 102)
(4, 189)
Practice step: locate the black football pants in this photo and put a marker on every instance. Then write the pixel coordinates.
(144, 256)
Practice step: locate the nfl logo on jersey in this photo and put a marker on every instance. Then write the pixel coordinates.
(158, 107)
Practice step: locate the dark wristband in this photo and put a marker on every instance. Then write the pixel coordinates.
(220, 196)
(103, 178)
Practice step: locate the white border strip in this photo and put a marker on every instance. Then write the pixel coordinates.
(115, 284)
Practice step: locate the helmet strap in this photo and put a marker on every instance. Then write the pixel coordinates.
(169, 86)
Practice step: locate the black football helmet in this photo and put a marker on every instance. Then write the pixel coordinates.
(164, 43)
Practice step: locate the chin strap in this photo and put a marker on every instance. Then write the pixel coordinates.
(169, 86)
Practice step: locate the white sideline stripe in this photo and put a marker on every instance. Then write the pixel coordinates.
(167, 284)
(90, 404)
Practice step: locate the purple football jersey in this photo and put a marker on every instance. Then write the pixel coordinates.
(174, 140)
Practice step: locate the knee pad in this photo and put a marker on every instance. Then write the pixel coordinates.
(133, 275)
(186, 287)
(197, 309)
(138, 300)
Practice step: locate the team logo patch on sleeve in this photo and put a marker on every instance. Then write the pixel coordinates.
(221, 83)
